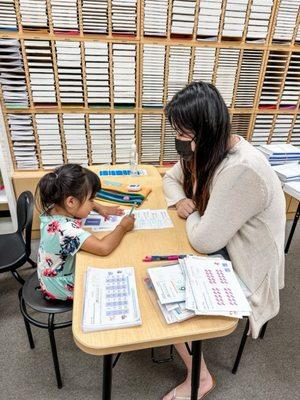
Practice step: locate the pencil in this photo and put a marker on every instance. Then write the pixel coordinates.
(132, 208)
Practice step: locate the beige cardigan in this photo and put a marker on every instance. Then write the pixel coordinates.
(245, 213)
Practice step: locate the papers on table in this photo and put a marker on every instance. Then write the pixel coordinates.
(144, 219)
(12, 76)
(178, 69)
(288, 172)
(204, 64)
(151, 132)
(293, 189)
(97, 74)
(198, 286)
(280, 153)
(183, 17)
(22, 136)
(286, 20)
(124, 135)
(153, 75)
(33, 14)
(95, 16)
(75, 137)
(110, 299)
(49, 139)
(69, 72)
(41, 72)
(155, 17)
(124, 60)
(64, 16)
(8, 20)
(100, 132)
(124, 16)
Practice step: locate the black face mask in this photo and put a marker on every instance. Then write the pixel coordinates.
(184, 149)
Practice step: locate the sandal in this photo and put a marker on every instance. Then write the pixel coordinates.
(200, 398)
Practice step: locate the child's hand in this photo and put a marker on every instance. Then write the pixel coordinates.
(128, 222)
(106, 211)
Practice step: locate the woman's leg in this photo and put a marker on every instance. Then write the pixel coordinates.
(184, 390)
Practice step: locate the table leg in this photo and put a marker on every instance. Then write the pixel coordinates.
(107, 377)
(196, 364)
(288, 243)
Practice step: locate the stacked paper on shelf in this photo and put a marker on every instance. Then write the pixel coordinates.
(124, 135)
(40, 65)
(22, 136)
(290, 94)
(234, 20)
(178, 69)
(64, 16)
(12, 76)
(95, 16)
(198, 286)
(100, 133)
(8, 20)
(288, 172)
(259, 19)
(209, 17)
(50, 140)
(75, 137)
(204, 64)
(280, 153)
(286, 20)
(151, 131)
(34, 14)
(110, 299)
(155, 17)
(97, 74)
(183, 15)
(124, 16)
(262, 128)
(170, 154)
(69, 72)
(153, 75)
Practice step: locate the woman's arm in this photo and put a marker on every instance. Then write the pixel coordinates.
(173, 185)
(238, 194)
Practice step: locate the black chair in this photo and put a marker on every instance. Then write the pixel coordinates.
(243, 342)
(15, 248)
(31, 296)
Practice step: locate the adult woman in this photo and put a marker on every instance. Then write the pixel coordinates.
(232, 201)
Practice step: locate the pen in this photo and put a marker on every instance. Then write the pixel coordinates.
(132, 208)
(162, 258)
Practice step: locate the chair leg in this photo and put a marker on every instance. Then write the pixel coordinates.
(263, 331)
(27, 324)
(32, 263)
(54, 350)
(241, 348)
(16, 275)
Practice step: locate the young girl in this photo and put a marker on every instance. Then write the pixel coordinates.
(66, 196)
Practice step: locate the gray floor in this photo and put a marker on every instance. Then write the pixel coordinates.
(268, 369)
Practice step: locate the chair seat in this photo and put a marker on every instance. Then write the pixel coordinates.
(34, 299)
(12, 251)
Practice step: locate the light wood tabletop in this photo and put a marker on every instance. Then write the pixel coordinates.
(154, 331)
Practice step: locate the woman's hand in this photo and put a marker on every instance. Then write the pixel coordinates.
(106, 211)
(127, 222)
(185, 207)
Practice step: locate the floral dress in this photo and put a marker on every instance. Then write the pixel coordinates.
(61, 238)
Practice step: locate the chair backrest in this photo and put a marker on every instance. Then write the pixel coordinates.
(25, 205)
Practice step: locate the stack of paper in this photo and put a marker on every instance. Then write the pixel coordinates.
(209, 17)
(226, 73)
(75, 137)
(151, 138)
(248, 80)
(240, 124)
(124, 16)
(234, 20)
(97, 75)
(204, 64)
(22, 136)
(94, 16)
(12, 76)
(198, 286)
(273, 78)
(124, 135)
(280, 153)
(293, 189)
(153, 75)
(155, 17)
(34, 14)
(170, 153)
(144, 219)
(295, 139)
(8, 20)
(179, 63)
(290, 94)
(288, 172)
(69, 72)
(110, 299)
(282, 127)
(41, 72)
(100, 131)
(286, 20)
(49, 139)
(124, 60)
(259, 19)
(183, 15)
(262, 128)
(64, 16)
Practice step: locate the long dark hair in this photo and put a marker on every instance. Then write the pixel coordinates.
(67, 180)
(199, 109)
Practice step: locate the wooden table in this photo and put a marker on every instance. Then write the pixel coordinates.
(154, 331)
